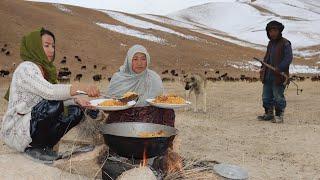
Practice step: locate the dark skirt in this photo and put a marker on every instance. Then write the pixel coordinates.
(49, 123)
(148, 114)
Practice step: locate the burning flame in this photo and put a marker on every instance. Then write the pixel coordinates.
(172, 161)
(144, 160)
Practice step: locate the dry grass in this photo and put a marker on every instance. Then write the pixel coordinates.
(192, 171)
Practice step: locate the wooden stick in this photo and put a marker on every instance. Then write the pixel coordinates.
(273, 69)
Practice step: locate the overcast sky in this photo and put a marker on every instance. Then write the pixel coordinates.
(160, 7)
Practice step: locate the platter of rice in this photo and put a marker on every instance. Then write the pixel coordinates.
(168, 102)
(111, 104)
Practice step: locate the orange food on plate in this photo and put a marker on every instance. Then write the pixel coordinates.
(112, 102)
(169, 99)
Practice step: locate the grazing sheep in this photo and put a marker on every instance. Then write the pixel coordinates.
(78, 77)
(298, 78)
(4, 73)
(173, 72)
(248, 79)
(64, 79)
(64, 73)
(212, 79)
(165, 72)
(78, 58)
(63, 61)
(315, 78)
(64, 69)
(97, 77)
(224, 75)
(166, 79)
(226, 78)
(254, 79)
(242, 77)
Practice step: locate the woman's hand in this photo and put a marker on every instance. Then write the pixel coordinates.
(83, 103)
(92, 91)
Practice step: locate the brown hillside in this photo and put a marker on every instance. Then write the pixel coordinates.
(77, 34)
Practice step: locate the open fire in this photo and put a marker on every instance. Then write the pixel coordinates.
(134, 151)
(170, 162)
(144, 160)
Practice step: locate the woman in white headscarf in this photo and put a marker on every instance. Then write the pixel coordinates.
(135, 76)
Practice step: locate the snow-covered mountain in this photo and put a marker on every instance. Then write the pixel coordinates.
(159, 7)
(238, 21)
(246, 20)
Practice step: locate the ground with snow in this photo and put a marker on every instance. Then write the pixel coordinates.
(293, 69)
(131, 32)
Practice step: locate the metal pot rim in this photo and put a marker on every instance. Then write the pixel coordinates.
(131, 129)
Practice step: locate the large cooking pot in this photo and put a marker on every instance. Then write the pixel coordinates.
(125, 139)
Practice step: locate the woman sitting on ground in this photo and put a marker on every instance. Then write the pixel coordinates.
(36, 118)
(135, 76)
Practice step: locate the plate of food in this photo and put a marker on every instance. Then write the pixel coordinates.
(127, 101)
(112, 104)
(168, 102)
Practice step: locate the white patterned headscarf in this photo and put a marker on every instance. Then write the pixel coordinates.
(147, 84)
